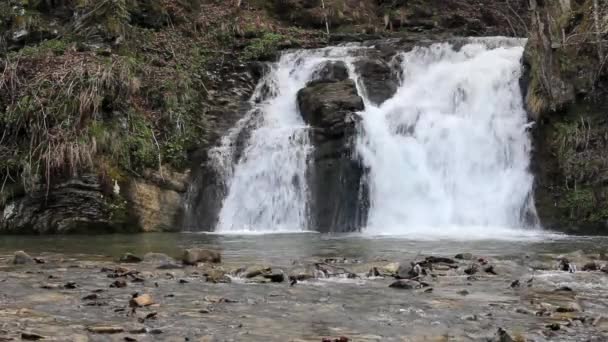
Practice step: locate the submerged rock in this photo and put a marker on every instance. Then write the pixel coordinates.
(130, 258)
(195, 255)
(107, 329)
(160, 258)
(22, 258)
(406, 284)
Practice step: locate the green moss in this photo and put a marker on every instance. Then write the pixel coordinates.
(264, 47)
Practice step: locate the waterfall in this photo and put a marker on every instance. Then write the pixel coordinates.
(267, 190)
(449, 151)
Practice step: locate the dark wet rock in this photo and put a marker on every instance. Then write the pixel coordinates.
(338, 196)
(120, 283)
(70, 285)
(566, 266)
(564, 289)
(22, 258)
(40, 261)
(195, 255)
(464, 256)
(378, 78)
(436, 260)
(490, 270)
(275, 277)
(331, 71)
(30, 336)
(130, 339)
(502, 336)
(591, 266)
(92, 296)
(169, 266)
(515, 284)
(562, 309)
(554, 326)
(130, 258)
(107, 329)
(301, 273)
(183, 281)
(405, 284)
(471, 269)
(328, 105)
(463, 292)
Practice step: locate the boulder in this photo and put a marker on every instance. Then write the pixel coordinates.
(301, 273)
(217, 276)
(254, 271)
(338, 196)
(193, 256)
(22, 258)
(464, 256)
(331, 71)
(378, 78)
(329, 105)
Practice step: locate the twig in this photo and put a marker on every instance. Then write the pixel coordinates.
(325, 15)
(160, 165)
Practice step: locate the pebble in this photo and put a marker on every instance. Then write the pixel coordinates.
(141, 300)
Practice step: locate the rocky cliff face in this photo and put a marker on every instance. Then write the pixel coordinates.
(106, 109)
(337, 192)
(566, 95)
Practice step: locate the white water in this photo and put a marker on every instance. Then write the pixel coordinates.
(267, 189)
(449, 153)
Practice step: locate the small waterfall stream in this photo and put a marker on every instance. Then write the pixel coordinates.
(450, 149)
(448, 152)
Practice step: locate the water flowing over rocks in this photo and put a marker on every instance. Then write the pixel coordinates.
(169, 303)
(335, 175)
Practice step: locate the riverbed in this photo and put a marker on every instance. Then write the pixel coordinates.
(515, 283)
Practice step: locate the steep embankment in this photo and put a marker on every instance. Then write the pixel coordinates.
(567, 56)
(106, 106)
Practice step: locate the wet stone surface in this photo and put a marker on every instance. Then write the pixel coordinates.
(315, 298)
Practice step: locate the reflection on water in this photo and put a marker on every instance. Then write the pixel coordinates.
(281, 249)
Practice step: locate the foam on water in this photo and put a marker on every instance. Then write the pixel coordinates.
(448, 155)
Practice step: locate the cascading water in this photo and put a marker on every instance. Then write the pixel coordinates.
(449, 153)
(267, 190)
